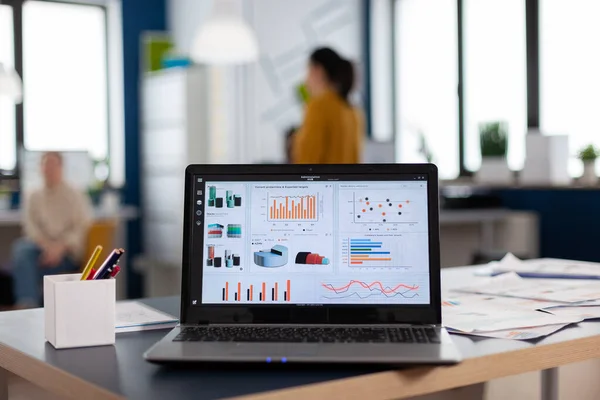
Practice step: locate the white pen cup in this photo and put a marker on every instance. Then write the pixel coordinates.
(79, 313)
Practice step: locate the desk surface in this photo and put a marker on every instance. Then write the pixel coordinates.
(115, 372)
(474, 215)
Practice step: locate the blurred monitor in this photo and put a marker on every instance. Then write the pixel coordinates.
(379, 152)
(78, 169)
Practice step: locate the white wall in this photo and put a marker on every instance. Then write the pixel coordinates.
(183, 18)
(261, 97)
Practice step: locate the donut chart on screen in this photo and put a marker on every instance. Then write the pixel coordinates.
(306, 257)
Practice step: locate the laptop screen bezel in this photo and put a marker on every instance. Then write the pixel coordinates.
(321, 314)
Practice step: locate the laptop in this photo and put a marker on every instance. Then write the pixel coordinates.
(310, 264)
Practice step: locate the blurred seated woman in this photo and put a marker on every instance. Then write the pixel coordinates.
(332, 130)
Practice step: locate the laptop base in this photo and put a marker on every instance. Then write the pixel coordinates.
(169, 351)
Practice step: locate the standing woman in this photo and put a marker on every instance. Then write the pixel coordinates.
(332, 131)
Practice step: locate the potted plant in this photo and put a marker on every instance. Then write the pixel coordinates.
(302, 93)
(424, 148)
(588, 156)
(5, 197)
(493, 141)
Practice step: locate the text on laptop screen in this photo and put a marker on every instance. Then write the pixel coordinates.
(311, 242)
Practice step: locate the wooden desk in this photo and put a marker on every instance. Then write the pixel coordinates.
(115, 372)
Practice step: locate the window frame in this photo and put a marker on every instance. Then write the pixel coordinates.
(532, 73)
(17, 7)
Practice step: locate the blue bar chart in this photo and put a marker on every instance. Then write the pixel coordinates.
(374, 252)
(367, 251)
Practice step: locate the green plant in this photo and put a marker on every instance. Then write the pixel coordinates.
(424, 148)
(493, 139)
(589, 153)
(302, 93)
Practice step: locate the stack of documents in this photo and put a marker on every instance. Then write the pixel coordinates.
(501, 317)
(512, 307)
(547, 268)
(134, 316)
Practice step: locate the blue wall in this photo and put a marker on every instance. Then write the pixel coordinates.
(138, 16)
(569, 220)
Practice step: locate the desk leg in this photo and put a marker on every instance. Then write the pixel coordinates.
(3, 384)
(550, 384)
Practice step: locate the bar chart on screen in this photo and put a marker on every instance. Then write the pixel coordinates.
(256, 292)
(293, 208)
(375, 252)
(303, 208)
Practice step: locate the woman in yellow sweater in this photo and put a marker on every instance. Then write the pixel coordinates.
(332, 131)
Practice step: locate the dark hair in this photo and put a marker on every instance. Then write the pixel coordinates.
(289, 142)
(346, 78)
(338, 70)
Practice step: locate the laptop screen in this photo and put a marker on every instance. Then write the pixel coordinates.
(310, 240)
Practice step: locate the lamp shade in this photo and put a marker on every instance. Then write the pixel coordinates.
(225, 39)
(10, 85)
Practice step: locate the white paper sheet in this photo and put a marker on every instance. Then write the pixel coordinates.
(585, 312)
(476, 314)
(511, 285)
(134, 316)
(549, 266)
(518, 334)
(508, 303)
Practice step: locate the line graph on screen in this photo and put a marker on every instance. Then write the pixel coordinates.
(357, 290)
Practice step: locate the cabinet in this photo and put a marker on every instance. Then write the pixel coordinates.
(175, 133)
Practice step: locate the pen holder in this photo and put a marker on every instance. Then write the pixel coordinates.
(79, 313)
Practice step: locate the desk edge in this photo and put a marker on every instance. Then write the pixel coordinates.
(51, 378)
(418, 381)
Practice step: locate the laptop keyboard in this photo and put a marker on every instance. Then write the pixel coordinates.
(309, 335)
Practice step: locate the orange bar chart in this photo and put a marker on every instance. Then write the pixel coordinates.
(267, 291)
(293, 208)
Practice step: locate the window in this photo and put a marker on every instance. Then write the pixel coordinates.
(495, 75)
(382, 112)
(65, 77)
(426, 79)
(569, 72)
(8, 135)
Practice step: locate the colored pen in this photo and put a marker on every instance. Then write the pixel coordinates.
(91, 262)
(108, 263)
(91, 275)
(110, 272)
(115, 271)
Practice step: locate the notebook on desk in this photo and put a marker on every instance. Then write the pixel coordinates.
(336, 263)
(133, 316)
